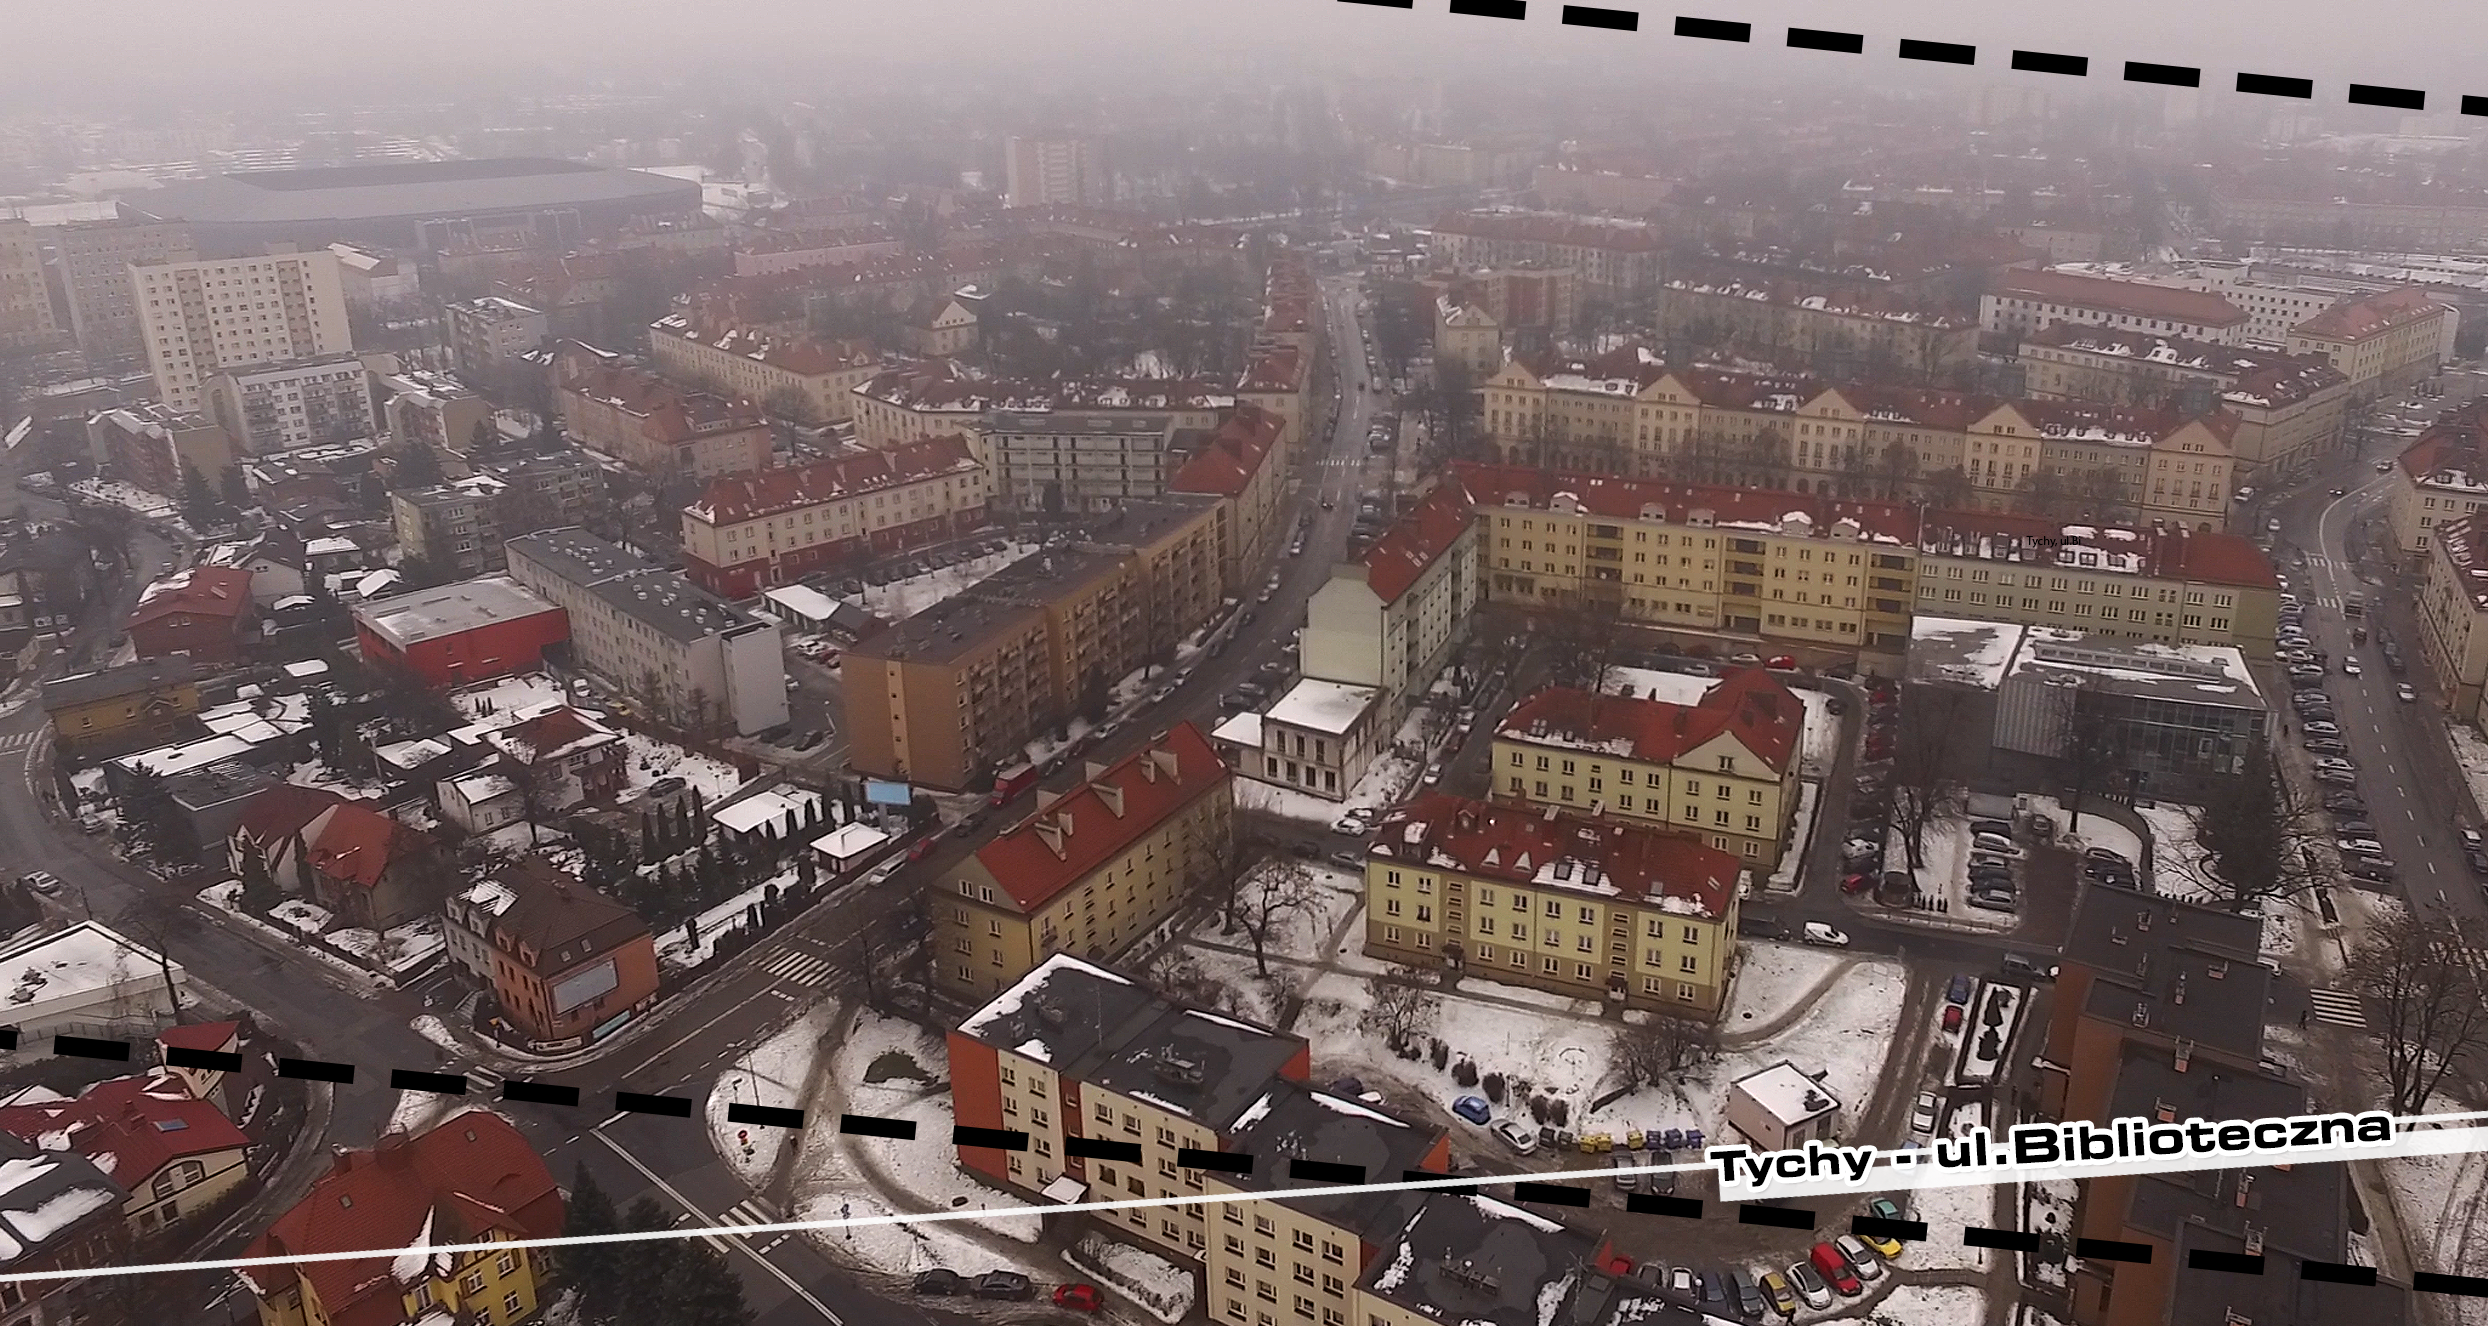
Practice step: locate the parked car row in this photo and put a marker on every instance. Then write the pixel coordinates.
(1843, 1266)
(1005, 1286)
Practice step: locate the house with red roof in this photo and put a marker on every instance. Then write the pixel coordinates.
(751, 531)
(1545, 892)
(204, 612)
(1724, 768)
(176, 1154)
(228, 1089)
(470, 1179)
(368, 869)
(2019, 302)
(1240, 462)
(653, 425)
(1090, 872)
(1391, 618)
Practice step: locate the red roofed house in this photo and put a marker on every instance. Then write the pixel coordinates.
(272, 824)
(1391, 619)
(753, 531)
(1724, 767)
(1091, 872)
(203, 612)
(369, 870)
(2383, 342)
(2019, 302)
(1575, 879)
(1237, 463)
(175, 1153)
(229, 1092)
(471, 1179)
(569, 964)
(651, 424)
(573, 758)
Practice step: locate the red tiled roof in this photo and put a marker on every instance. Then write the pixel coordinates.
(199, 1035)
(799, 355)
(354, 844)
(280, 812)
(203, 591)
(751, 496)
(130, 1127)
(666, 411)
(1627, 499)
(1023, 862)
(1404, 552)
(2361, 318)
(1635, 861)
(2131, 297)
(471, 1174)
(556, 731)
(2175, 553)
(1750, 705)
(1227, 463)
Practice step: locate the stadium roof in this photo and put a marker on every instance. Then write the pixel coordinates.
(409, 190)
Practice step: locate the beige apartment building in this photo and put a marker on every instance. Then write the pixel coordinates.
(1612, 256)
(1885, 335)
(449, 526)
(95, 260)
(958, 690)
(1052, 172)
(651, 424)
(1278, 378)
(1391, 619)
(2381, 343)
(210, 316)
(2166, 585)
(1090, 872)
(1058, 463)
(1469, 336)
(939, 397)
(488, 337)
(2018, 303)
(756, 365)
(281, 406)
(1238, 463)
(751, 531)
(2441, 478)
(2290, 407)
(1724, 769)
(26, 318)
(2453, 611)
(1584, 906)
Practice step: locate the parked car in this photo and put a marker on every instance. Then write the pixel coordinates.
(1516, 1136)
(1884, 1208)
(1863, 1261)
(2404, 692)
(41, 881)
(2017, 965)
(1889, 1249)
(1775, 1288)
(1474, 1109)
(1745, 1296)
(2323, 727)
(2336, 777)
(1835, 1270)
(1008, 1285)
(1715, 1294)
(2000, 828)
(1809, 1285)
(938, 1283)
(1079, 1298)
(1922, 1114)
(1958, 991)
(1627, 1176)
(2324, 746)
(1952, 1012)
(1817, 933)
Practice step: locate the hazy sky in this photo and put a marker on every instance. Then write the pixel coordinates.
(87, 50)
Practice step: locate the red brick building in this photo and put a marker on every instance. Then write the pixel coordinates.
(204, 612)
(473, 630)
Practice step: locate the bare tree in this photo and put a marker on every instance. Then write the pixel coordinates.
(2103, 495)
(1274, 892)
(2432, 1016)
(1895, 470)
(2262, 837)
(2092, 746)
(1584, 637)
(1661, 1048)
(1399, 1003)
(1926, 765)
(2046, 492)
(1951, 488)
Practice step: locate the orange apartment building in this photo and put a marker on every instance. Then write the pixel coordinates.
(652, 425)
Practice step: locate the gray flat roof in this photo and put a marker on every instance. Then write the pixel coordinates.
(411, 190)
(428, 614)
(638, 586)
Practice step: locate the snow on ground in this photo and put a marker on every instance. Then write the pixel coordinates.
(1946, 1209)
(406, 948)
(897, 1249)
(1162, 1288)
(1931, 1305)
(2097, 830)
(2435, 1200)
(315, 772)
(418, 1112)
(1389, 779)
(674, 950)
(773, 1073)
(114, 492)
(1771, 978)
(897, 1070)
(905, 598)
(1801, 836)
(2177, 865)
(650, 759)
(1946, 873)
(307, 917)
(2047, 1208)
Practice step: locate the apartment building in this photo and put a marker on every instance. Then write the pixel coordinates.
(555, 488)
(1724, 769)
(753, 531)
(1319, 738)
(1612, 257)
(1467, 335)
(940, 328)
(688, 656)
(1627, 413)
(1585, 906)
(489, 337)
(1075, 1053)
(152, 446)
(136, 706)
(1879, 333)
(2290, 407)
(1053, 172)
(2160, 584)
(2018, 303)
(447, 526)
(1089, 873)
(2386, 216)
(2440, 478)
(959, 689)
(1055, 464)
(1235, 463)
(281, 406)
(1278, 378)
(939, 397)
(95, 262)
(770, 252)
(2453, 610)
(27, 321)
(2383, 342)
(814, 380)
(1392, 619)
(652, 425)
(208, 316)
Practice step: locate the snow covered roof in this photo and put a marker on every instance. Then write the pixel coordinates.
(803, 601)
(1242, 729)
(1787, 1094)
(1323, 706)
(849, 841)
(1960, 650)
(1477, 1261)
(1548, 849)
(770, 805)
(1057, 1012)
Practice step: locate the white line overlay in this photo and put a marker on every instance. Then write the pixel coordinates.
(2416, 1135)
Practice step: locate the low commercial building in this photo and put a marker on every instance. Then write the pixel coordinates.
(2383, 342)
(155, 448)
(1092, 871)
(1319, 738)
(1724, 769)
(204, 612)
(812, 380)
(754, 531)
(694, 659)
(2018, 303)
(1625, 912)
(1781, 1108)
(88, 980)
(472, 630)
(1074, 1052)
(652, 425)
(1392, 619)
(118, 710)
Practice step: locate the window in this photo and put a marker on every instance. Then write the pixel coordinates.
(509, 1304)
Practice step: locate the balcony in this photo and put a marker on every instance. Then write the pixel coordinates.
(1745, 568)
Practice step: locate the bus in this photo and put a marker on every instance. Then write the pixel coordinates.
(2354, 605)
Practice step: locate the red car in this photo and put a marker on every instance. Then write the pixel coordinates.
(1952, 1017)
(1835, 1270)
(916, 853)
(1857, 883)
(1782, 663)
(1082, 1297)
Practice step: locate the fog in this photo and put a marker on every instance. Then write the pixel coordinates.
(144, 54)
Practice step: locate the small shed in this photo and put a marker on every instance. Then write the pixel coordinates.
(1781, 1107)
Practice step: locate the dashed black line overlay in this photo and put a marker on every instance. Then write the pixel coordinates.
(1899, 1231)
(1551, 1194)
(1774, 1217)
(1944, 52)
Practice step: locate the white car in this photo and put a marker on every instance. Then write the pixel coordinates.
(2336, 764)
(1922, 1115)
(1862, 1259)
(2350, 668)
(2405, 693)
(1818, 933)
(1355, 824)
(1515, 1135)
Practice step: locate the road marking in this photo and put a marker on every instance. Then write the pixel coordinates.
(726, 1244)
(2339, 1008)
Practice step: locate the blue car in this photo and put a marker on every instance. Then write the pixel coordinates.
(1959, 991)
(1473, 1109)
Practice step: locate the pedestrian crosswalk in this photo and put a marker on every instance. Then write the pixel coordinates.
(800, 967)
(755, 1211)
(2337, 1007)
(20, 740)
(483, 1082)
